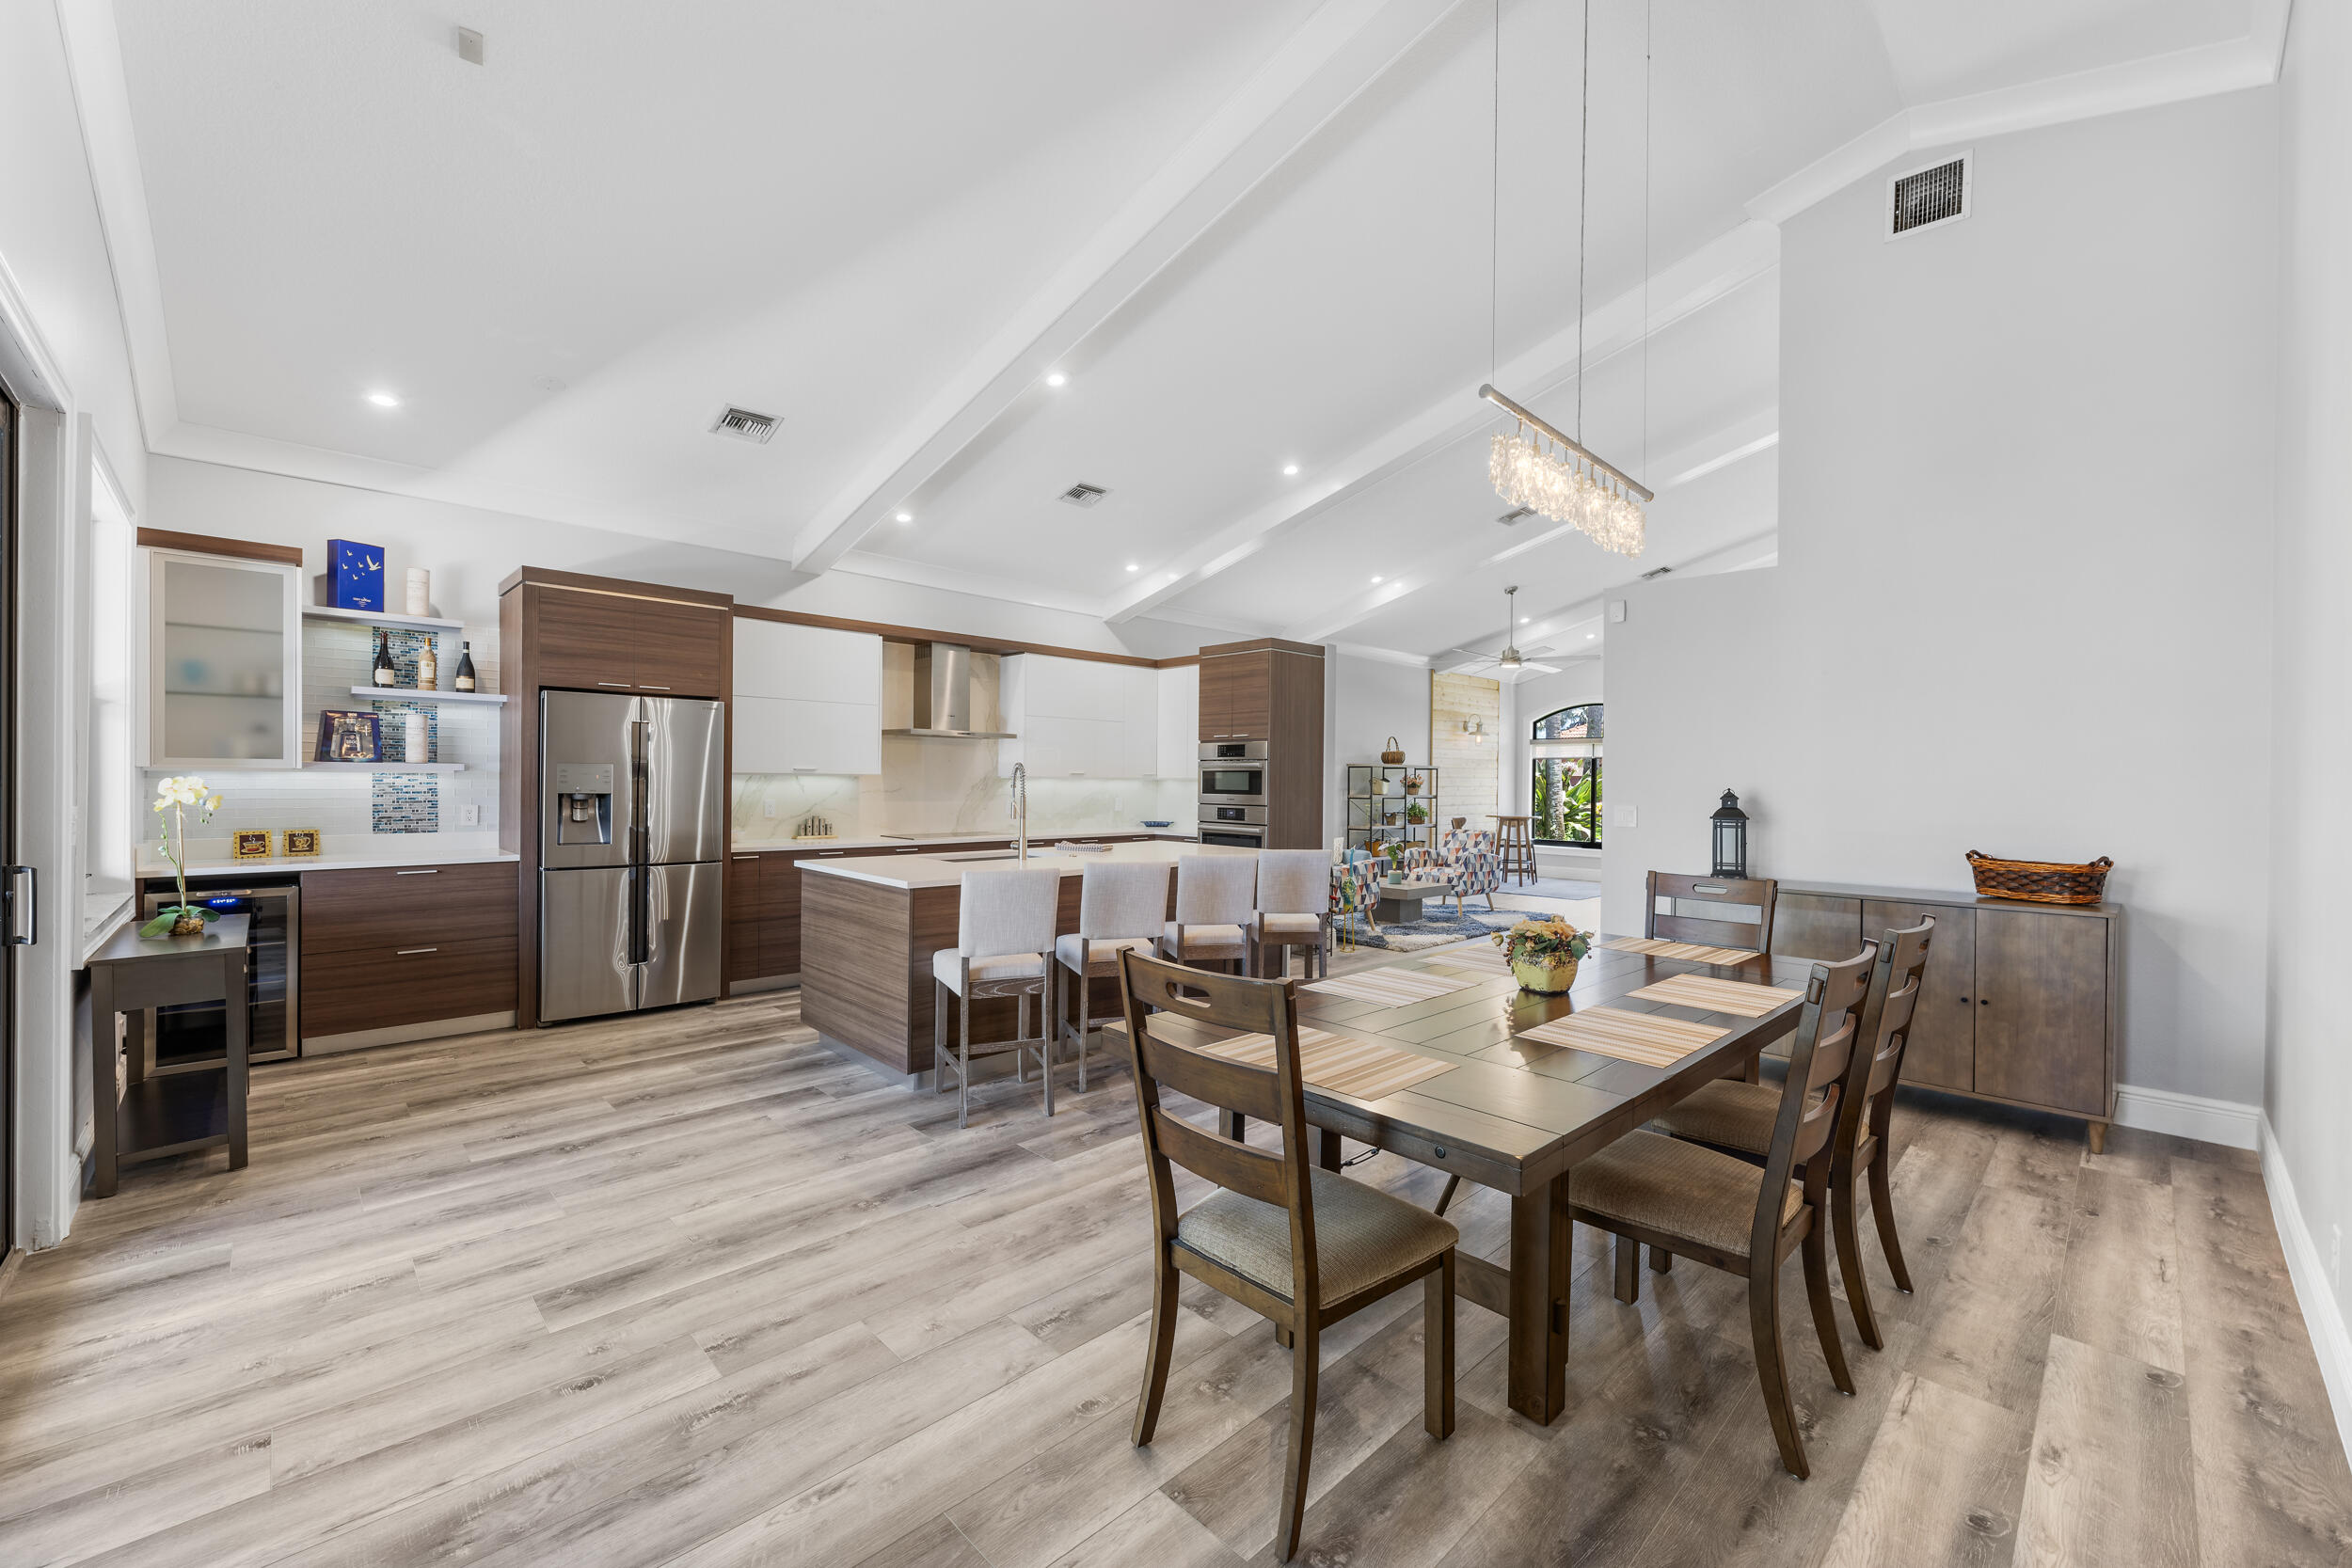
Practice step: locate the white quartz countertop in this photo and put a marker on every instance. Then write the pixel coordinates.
(904, 841)
(278, 865)
(908, 872)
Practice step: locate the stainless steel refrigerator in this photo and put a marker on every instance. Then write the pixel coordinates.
(632, 843)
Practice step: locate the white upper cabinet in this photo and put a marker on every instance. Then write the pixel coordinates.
(807, 699)
(1179, 720)
(1079, 718)
(224, 662)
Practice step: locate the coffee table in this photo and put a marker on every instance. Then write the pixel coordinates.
(1403, 900)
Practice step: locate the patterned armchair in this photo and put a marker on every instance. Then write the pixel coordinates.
(1358, 876)
(1465, 858)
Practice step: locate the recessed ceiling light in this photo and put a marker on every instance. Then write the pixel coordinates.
(1522, 620)
(384, 400)
(1056, 379)
(1590, 635)
(1376, 579)
(1290, 467)
(1134, 565)
(906, 517)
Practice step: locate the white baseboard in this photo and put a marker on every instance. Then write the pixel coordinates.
(2187, 1115)
(2322, 1316)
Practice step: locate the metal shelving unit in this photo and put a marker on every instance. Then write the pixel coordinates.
(1375, 819)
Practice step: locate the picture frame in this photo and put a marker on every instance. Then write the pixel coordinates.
(249, 844)
(302, 841)
(347, 736)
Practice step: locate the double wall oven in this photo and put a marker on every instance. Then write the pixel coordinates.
(1234, 793)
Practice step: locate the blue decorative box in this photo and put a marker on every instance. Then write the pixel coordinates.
(358, 575)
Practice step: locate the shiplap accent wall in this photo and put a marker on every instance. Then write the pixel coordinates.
(1467, 770)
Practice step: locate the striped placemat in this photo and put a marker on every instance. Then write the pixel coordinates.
(1690, 952)
(1482, 959)
(1648, 1039)
(1392, 987)
(1717, 995)
(1337, 1063)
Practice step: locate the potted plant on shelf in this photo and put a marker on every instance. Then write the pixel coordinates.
(1412, 784)
(175, 795)
(1544, 953)
(1417, 813)
(1396, 862)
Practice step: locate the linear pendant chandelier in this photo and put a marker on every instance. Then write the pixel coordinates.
(1536, 466)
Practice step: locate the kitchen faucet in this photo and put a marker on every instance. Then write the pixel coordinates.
(1021, 808)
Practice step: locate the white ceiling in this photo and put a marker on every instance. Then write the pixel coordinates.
(567, 261)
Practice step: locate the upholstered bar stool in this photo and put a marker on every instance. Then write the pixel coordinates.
(1118, 907)
(1294, 911)
(1004, 931)
(1213, 907)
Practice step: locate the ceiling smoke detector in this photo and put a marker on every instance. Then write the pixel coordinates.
(1517, 516)
(1924, 197)
(744, 425)
(1084, 494)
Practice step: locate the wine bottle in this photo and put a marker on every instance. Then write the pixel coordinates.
(384, 673)
(464, 668)
(428, 671)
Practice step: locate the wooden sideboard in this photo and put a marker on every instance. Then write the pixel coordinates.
(2019, 1001)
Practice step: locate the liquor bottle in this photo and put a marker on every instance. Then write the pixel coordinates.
(428, 671)
(384, 673)
(464, 668)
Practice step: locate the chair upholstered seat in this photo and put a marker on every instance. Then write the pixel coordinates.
(947, 965)
(1362, 1236)
(1070, 949)
(1664, 1184)
(1727, 1114)
(1206, 941)
(1291, 924)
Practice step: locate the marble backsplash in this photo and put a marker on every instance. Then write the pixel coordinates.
(947, 786)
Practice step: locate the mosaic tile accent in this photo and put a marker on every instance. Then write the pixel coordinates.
(406, 803)
(394, 725)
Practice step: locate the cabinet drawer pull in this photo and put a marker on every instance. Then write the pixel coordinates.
(642, 688)
(408, 952)
(746, 857)
(803, 768)
(623, 685)
(828, 854)
(421, 871)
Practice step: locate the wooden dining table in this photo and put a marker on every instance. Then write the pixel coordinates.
(1517, 1114)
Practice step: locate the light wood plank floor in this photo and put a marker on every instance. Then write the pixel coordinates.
(691, 1289)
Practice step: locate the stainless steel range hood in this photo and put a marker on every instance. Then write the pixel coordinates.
(943, 695)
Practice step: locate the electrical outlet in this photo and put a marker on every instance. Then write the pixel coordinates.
(767, 808)
(2335, 1257)
(1627, 817)
(469, 816)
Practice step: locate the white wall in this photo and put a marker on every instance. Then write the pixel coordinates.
(1366, 701)
(2309, 1090)
(2024, 536)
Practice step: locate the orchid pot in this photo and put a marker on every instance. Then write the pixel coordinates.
(1544, 953)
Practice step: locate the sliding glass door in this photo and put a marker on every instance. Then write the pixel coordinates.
(18, 917)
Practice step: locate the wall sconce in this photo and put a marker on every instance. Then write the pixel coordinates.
(1476, 729)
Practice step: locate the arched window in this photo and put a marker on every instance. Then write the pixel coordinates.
(1564, 751)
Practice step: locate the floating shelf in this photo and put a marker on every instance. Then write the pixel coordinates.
(374, 618)
(385, 767)
(402, 694)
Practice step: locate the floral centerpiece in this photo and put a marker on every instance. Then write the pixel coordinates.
(174, 797)
(1544, 953)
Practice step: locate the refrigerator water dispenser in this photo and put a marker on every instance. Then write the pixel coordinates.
(583, 802)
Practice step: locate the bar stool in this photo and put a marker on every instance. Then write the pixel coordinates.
(1004, 931)
(1294, 911)
(1120, 907)
(1516, 846)
(1213, 907)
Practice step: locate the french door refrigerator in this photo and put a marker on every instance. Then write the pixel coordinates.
(632, 842)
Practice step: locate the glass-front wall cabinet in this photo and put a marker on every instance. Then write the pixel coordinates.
(224, 642)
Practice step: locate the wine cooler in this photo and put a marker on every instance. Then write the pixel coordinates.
(198, 1031)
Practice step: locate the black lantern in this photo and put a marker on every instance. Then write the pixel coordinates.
(1731, 837)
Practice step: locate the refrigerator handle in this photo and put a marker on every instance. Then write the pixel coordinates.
(640, 791)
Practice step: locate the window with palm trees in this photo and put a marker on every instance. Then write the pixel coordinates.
(1565, 757)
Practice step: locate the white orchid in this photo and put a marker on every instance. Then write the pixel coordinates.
(174, 796)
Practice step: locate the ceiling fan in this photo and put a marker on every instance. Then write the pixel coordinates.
(1510, 659)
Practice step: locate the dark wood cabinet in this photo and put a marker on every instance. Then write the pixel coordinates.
(1237, 694)
(582, 641)
(2018, 1000)
(402, 947)
(1272, 690)
(680, 650)
(742, 906)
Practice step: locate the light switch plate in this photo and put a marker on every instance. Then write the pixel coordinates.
(469, 816)
(1627, 816)
(1617, 609)
(767, 808)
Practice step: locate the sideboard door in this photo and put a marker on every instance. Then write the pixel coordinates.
(2042, 995)
(1943, 1049)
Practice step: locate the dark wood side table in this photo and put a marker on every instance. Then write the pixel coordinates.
(185, 1106)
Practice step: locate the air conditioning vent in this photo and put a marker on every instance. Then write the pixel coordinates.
(1084, 494)
(1517, 516)
(1655, 573)
(1927, 197)
(744, 425)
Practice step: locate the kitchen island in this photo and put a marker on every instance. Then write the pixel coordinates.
(869, 925)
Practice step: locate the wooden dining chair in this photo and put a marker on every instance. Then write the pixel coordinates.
(1687, 1200)
(1738, 1118)
(1301, 1245)
(1753, 932)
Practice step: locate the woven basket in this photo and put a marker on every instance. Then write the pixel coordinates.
(2040, 881)
(1395, 755)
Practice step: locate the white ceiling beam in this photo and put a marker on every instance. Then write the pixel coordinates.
(1742, 439)
(1687, 286)
(1343, 49)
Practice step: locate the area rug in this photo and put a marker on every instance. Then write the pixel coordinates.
(1412, 936)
